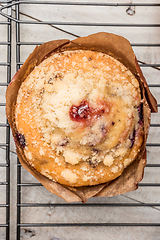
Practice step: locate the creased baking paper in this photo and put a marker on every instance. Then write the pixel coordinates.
(119, 48)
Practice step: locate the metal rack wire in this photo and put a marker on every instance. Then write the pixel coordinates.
(5, 146)
(150, 145)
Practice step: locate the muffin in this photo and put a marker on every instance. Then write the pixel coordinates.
(80, 114)
(79, 118)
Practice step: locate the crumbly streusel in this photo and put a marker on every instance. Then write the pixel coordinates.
(80, 114)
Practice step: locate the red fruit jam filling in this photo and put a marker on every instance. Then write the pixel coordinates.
(85, 113)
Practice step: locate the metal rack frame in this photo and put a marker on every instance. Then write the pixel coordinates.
(6, 144)
(20, 184)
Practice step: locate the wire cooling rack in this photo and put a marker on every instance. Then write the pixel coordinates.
(34, 213)
(5, 67)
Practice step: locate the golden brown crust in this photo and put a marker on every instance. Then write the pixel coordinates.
(52, 138)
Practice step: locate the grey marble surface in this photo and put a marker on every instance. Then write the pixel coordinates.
(81, 214)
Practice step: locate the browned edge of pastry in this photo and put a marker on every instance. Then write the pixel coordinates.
(119, 48)
(33, 60)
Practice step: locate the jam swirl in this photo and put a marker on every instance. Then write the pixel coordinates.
(85, 113)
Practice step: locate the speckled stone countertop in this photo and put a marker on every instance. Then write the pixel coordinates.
(91, 214)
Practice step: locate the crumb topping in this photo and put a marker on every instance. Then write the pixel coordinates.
(69, 176)
(86, 109)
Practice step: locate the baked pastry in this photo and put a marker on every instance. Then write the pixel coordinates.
(79, 118)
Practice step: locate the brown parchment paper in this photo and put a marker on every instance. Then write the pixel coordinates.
(119, 48)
